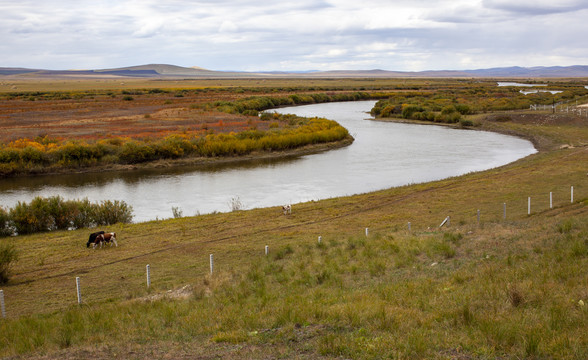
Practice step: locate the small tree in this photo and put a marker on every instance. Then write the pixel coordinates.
(5, 228)
(8, 255)
(235, 204)
(177, 212)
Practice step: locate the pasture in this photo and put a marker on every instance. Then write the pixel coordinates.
(501, 288)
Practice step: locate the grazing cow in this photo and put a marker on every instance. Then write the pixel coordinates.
(102, 238)
(92, 238)
(110, 238)
(287, 209)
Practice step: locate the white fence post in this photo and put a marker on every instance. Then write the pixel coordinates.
(572, 195)
(266, 249)
(147, 268)
(366, 232)
(445, 221)
(79, 290)
(529, 206)
(2, 304)
(504, 211)
(319, 239)
(551, 200)
(211, 263)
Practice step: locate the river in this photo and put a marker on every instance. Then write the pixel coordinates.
(384, 155)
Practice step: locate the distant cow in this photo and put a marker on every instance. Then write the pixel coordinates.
(105, 238)
(92, 238)
(287, 209)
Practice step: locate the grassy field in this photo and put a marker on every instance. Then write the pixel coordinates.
(501, 288)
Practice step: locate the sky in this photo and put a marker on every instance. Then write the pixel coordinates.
(300, 35)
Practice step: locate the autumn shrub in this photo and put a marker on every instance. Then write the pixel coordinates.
(172, 147)
(110, 212)
(8, 255)
(9, 155)
(75, 153)
(33, 155)
(55, 213)
(134, 152)
(83, 214)
(5, 223)
(62, 212)
(31, 218)
(463, 109)
(409, 111)
(466, 122)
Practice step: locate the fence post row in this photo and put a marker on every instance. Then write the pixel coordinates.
(446, 221)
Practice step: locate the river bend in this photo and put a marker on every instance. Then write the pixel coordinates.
(384, 155)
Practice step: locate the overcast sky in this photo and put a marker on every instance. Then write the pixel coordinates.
(253, 35)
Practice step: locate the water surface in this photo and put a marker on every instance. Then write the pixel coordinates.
(383, 155)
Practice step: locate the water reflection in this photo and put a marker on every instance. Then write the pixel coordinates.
(129, 177)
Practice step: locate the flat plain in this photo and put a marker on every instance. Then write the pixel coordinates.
(513, 287)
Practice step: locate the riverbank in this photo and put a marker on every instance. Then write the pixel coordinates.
(194, 162)
(561, 130)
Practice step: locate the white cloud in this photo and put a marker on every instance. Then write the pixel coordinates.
(303, 34)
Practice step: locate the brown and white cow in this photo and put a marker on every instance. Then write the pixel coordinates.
(105, 238)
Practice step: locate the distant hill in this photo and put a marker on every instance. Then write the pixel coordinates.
(173, 71)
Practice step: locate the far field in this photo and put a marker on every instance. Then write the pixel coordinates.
(499, 289)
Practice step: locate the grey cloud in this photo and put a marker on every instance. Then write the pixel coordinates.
(539, 7)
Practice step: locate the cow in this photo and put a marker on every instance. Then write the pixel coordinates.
(101, 237)
(287, 209)
(105, 238)
(109, 238)
(92, 238)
